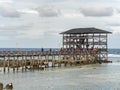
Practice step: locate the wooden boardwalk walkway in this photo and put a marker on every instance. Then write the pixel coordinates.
(39, 60)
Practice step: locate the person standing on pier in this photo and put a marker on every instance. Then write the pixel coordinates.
(61, 50)
(42, 50)
(50, 51)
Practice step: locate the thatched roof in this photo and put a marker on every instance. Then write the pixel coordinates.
(84, 31)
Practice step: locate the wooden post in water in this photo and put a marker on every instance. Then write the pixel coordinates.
(13, 63)
(59, 60)
(31, 64)
(33, 61)
(38, 60)
(17, 64)
(53, 63)
(22, 62)
(25, 61)
(4, 69)
(48, 60)
(8, 64)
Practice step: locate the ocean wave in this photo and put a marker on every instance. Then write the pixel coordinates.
(113, 55)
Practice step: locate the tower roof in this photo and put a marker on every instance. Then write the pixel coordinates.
(84, 31)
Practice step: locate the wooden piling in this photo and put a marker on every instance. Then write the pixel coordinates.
(13, 65)
(4, 67)
(22, 62)
(8, 64)
(17, 63)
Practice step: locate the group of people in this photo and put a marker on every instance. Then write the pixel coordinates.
(50, 51)
(61, 50)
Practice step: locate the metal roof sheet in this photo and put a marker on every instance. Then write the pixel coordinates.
(84, 31)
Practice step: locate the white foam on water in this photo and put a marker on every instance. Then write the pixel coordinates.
(113, 55)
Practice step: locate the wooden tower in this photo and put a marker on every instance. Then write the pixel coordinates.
(79, 41)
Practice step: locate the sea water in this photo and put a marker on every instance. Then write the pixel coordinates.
(85, 77)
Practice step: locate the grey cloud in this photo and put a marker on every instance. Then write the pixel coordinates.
(114, 24)
(118, 10)
(14, 31)
(15, 27)
(96, 11)
(9, 12)
(4, 33)
(48, 11)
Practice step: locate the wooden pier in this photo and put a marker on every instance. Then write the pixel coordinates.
(80, 46)
(38, 60)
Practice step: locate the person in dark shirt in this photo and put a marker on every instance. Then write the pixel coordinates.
(50, 51)
(42, 50)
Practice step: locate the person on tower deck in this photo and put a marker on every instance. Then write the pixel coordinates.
(61, 50)
(50, 51)
(94, 50)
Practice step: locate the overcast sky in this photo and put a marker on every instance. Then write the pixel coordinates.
(37, 23)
